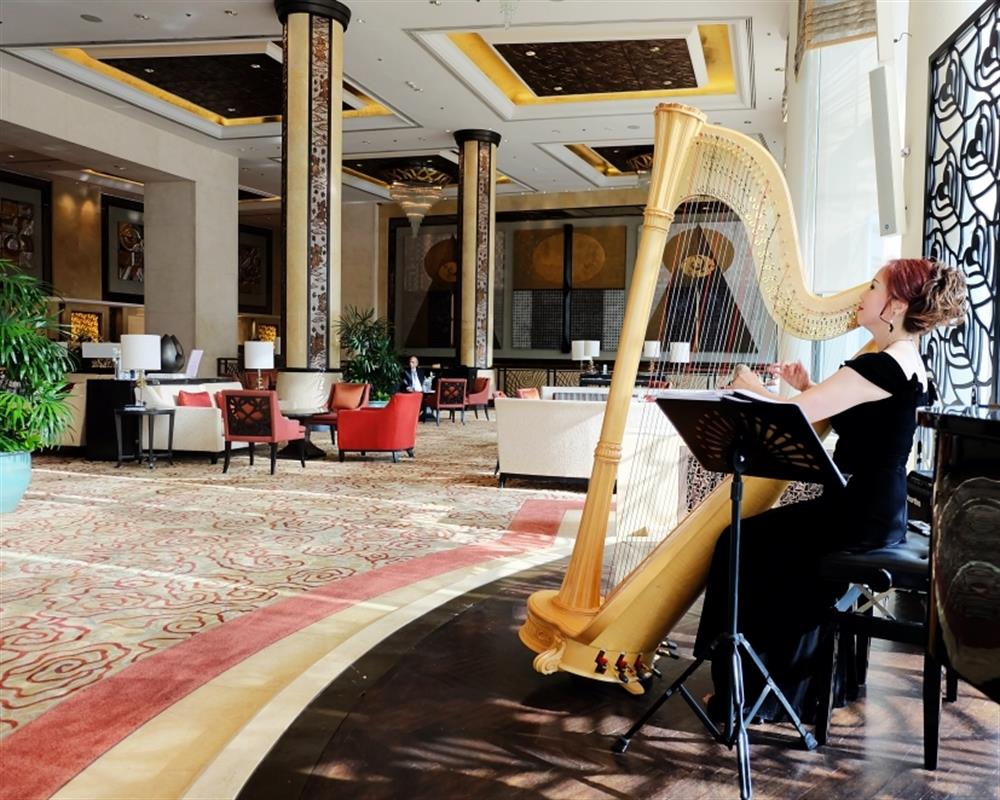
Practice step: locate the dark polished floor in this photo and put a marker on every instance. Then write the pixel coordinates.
(449, 707)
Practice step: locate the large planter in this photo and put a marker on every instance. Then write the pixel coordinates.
(15, 473)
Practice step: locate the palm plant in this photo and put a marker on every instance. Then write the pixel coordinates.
(367, 341)
(33, 390)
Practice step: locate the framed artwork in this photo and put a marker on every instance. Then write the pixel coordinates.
(123, 250)
(26, 224)
(254, 279)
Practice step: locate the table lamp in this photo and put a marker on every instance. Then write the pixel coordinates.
(258, 356)
(651, 350)
(139, 353)
(680, 352)
(578, 348)
(593, 351)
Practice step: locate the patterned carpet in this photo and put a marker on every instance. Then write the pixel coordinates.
(104, 569)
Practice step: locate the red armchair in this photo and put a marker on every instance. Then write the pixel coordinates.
(343, 396)
(380, 430)
(479, 397)
(253, 416)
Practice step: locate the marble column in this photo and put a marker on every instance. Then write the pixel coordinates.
(476, 231)
(312, 152)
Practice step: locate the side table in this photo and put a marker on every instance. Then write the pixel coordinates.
(150, 414)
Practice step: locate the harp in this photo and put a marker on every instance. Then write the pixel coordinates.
(613, 635)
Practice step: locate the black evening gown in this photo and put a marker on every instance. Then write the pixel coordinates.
(784, 606)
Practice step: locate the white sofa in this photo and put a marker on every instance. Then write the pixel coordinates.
(196, 429)
(304, 390)
(557, 439)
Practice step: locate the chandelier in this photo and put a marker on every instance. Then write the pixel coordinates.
(416, 189)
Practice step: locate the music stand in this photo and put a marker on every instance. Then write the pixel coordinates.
(742, 434)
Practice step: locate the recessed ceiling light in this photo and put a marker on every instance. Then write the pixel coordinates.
(230, 13)
(529, 52)
(557, 88)
(668, 83)
(90, 18)
(231, 108)
(149, 70)
(654, 49)
(255, 66)
(11, 155)
(143, 17)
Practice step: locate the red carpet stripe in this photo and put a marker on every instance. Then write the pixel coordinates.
(49, 751)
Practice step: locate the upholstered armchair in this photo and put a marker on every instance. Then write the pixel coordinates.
(343, 396)
(253, 417)
(392, 429)
(479, 397)
(449, 396)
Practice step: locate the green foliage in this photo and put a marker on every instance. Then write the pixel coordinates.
(367, 341)
(33, 367)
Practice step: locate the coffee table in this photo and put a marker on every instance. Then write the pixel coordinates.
(291, 450)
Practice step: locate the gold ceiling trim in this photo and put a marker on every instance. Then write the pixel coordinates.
(501, 178)
(80, 57)
(715, 45)
(594, 159)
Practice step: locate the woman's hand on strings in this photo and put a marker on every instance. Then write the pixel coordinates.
(746, 378)
(794, 374)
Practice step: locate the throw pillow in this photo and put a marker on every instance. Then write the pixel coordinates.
(198, 399)
(347, 395)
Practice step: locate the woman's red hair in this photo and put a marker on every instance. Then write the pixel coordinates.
(934, 292)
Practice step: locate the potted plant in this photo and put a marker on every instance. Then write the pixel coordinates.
(367, 341)
(33, 390)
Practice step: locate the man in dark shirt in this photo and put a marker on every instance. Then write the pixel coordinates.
(413, 377)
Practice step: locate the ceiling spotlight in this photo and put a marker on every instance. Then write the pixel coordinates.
(255, 66)
(654, 49)
(90, 18)
(11, 155)
(529, 52)
(231, 108)
(668, 83)
(149, 70)
(143, 17)
(230, 13)
(557, 88)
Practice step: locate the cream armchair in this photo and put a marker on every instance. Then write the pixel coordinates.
(196, 429)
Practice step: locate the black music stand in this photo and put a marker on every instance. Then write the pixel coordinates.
(742, 434)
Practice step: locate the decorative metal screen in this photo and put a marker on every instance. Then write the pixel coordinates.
(962, 219)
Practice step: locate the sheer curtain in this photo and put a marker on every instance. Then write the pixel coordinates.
(841, 236)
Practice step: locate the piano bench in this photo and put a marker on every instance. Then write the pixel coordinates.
(873, 577)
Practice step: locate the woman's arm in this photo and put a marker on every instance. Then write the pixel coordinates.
(841, 391)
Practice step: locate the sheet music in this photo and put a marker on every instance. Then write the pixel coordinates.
(715, 394)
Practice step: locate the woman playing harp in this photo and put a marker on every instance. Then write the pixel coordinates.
(612, 633)
(871, 402)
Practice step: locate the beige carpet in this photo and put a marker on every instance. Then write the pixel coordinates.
(104, 568)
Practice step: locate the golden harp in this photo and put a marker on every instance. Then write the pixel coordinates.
(614, 638)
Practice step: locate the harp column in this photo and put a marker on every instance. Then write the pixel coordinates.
(476, 231)
(312, 150)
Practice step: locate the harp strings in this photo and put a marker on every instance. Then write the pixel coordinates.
(724, 237)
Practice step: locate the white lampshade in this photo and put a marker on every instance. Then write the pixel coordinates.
(258, 355)
(650, 349)
(593, 348)
(579, 349)
(680, 352)
(140, 351)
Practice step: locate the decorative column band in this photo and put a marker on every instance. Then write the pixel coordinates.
(477, 134)
(330, 9)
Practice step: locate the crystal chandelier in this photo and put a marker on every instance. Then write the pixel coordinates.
(416, 189)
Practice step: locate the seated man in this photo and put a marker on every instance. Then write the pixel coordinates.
(413, 377)
(413, 381)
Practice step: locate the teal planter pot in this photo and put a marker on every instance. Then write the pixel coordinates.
(15, 474)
